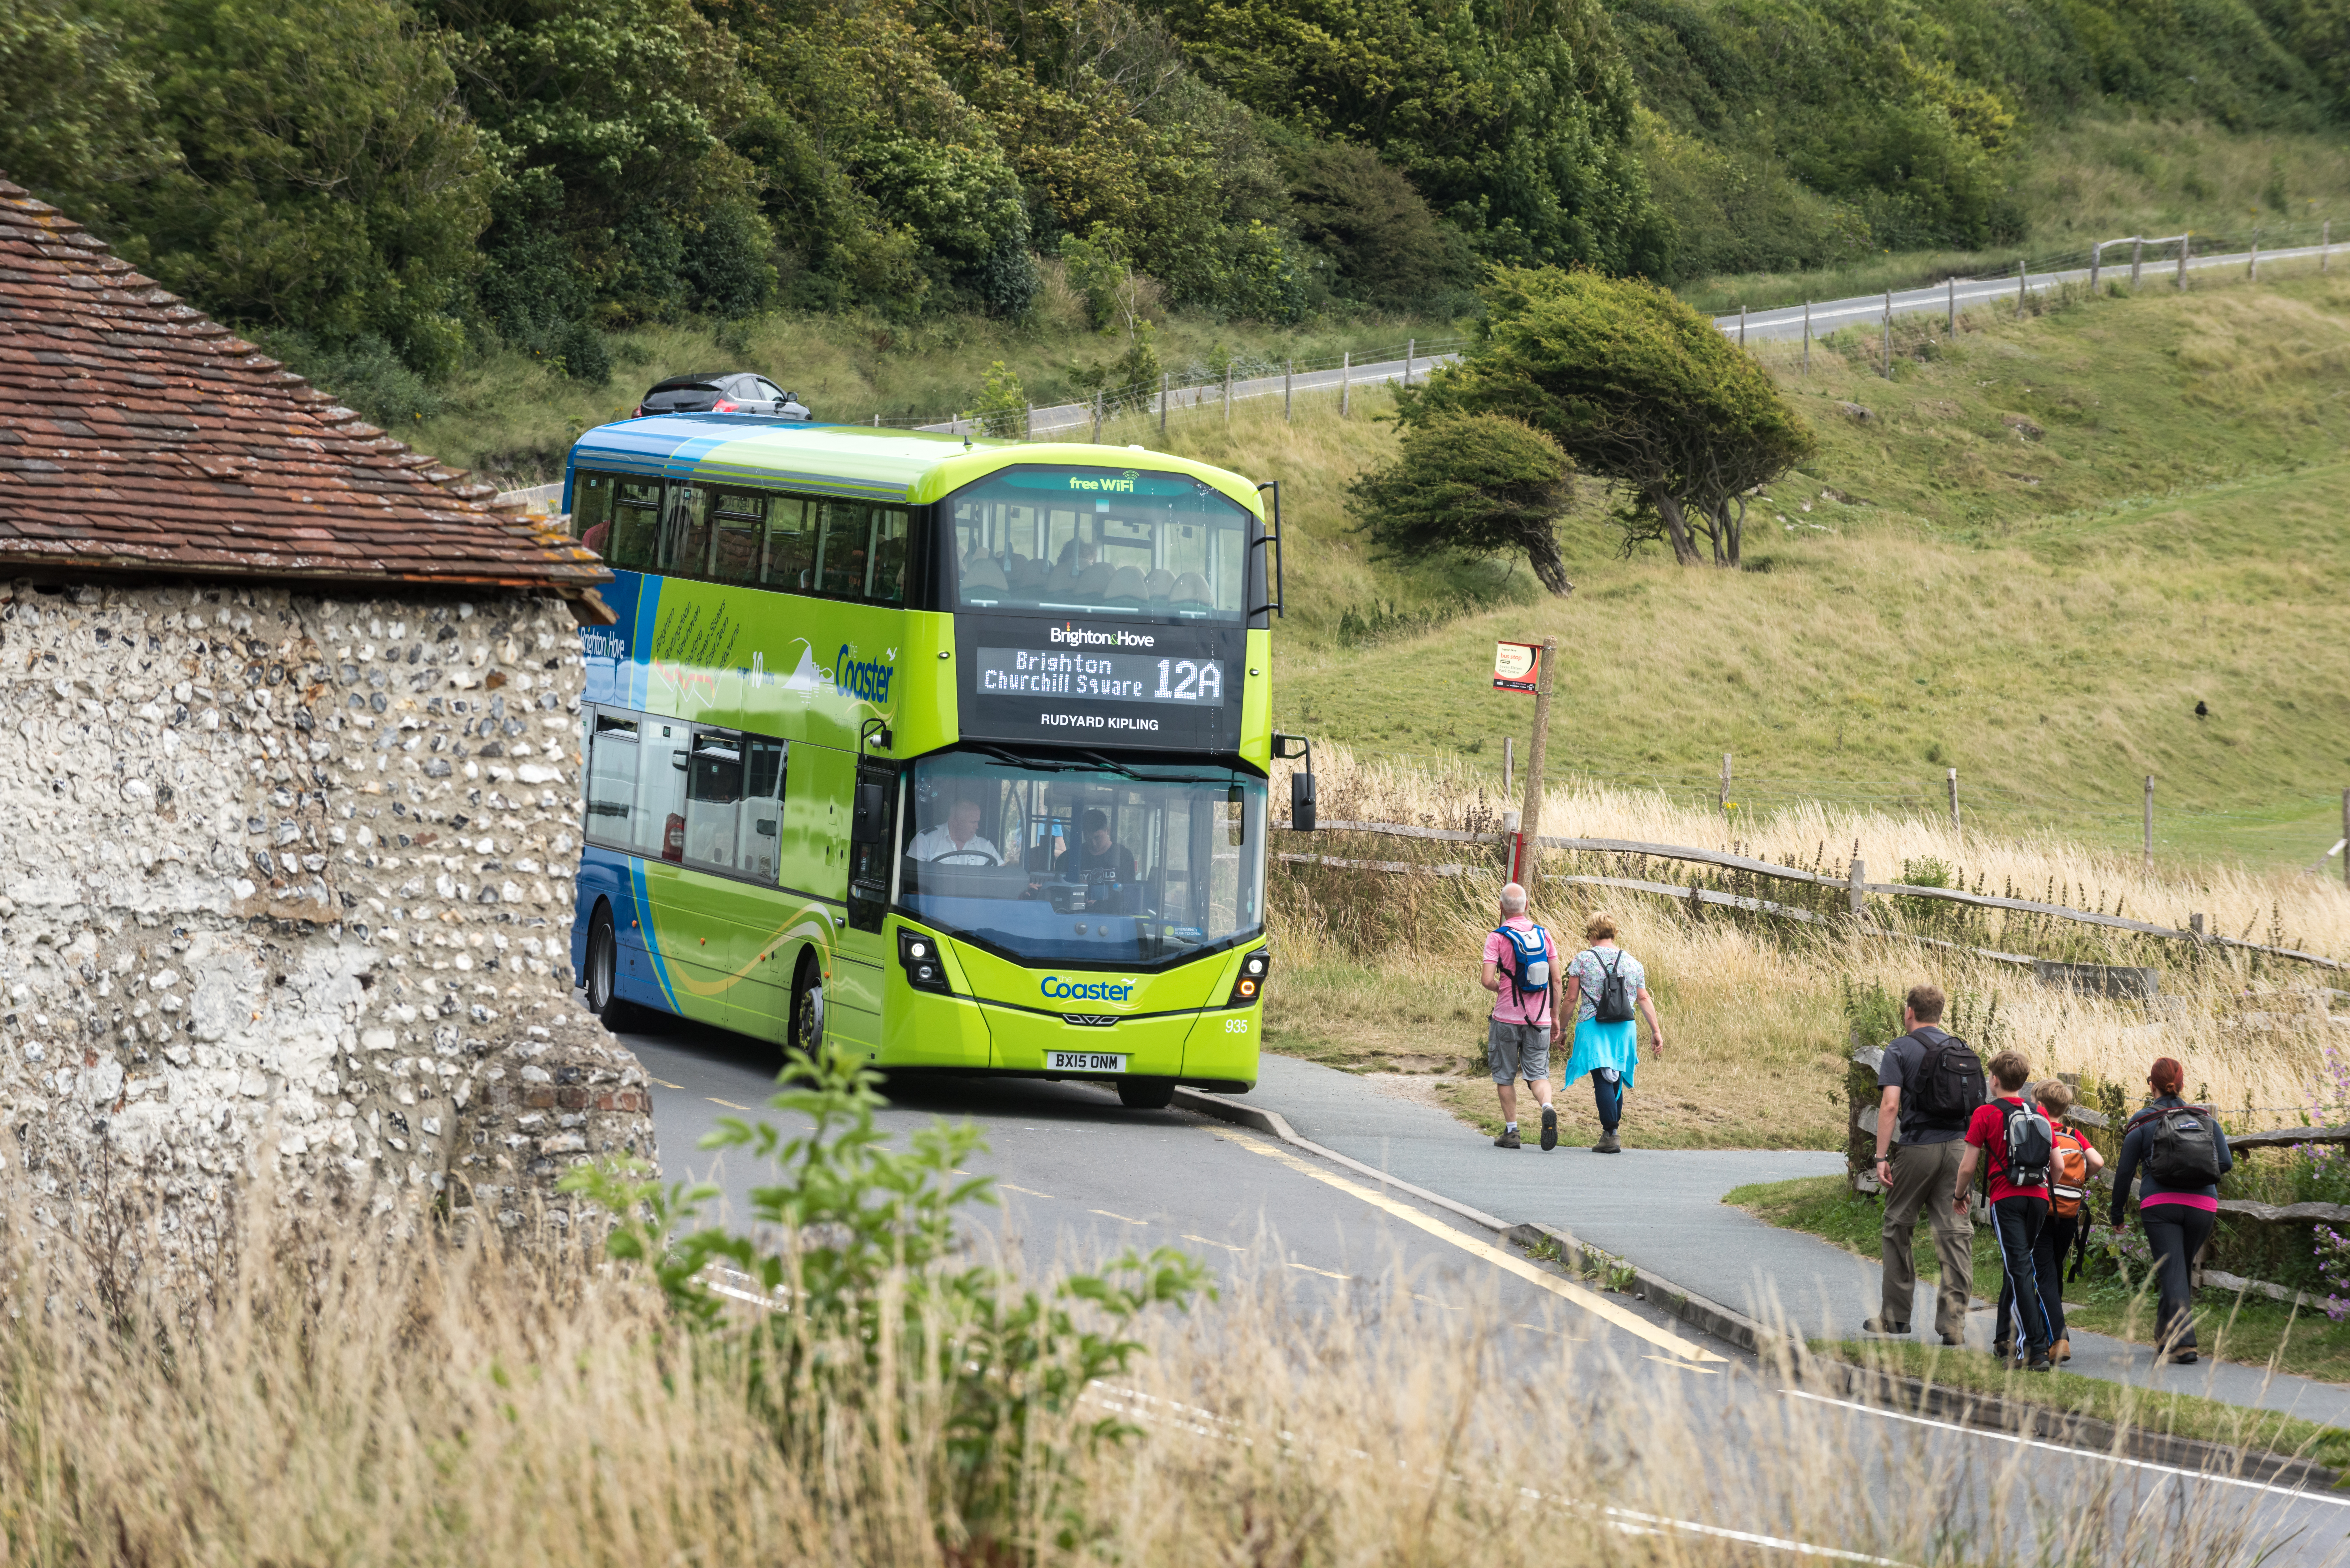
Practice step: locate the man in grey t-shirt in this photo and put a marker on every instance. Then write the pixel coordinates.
(1920, 1173)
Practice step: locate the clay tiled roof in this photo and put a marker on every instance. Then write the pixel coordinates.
(136, 435)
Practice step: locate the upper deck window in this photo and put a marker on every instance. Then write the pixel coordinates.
(1100, 541)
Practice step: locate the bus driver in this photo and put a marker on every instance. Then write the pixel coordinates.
(959, 838)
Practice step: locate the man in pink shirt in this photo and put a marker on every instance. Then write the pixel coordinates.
(1517, 1039)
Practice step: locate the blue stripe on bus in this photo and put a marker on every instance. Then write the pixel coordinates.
(643, 897)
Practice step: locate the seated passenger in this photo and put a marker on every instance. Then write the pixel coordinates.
(1075, 559)
(1103, 865)
(958, 835)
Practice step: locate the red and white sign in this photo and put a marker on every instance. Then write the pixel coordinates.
(1517, 665)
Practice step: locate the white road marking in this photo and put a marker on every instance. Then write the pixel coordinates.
(1024, 1191)
(665, 1084)
(1326, 1274)
(1206, 1242)
(1119, 1218)
(728, 1103)
(2082, 1453)
(1598, 1306)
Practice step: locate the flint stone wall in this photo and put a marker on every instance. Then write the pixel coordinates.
(293, 876)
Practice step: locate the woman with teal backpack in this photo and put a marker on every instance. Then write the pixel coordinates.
(1608, 991)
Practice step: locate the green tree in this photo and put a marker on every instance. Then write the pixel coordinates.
(622, 196)
(1513, 117)
(1474, 484)
(77, 118)
(327, 178)
(1637, 389)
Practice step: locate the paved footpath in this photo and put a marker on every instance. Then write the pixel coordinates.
(1661, 1208)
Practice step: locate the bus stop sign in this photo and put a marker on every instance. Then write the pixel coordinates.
(1517, 665)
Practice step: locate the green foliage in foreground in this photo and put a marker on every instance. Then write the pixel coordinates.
(1638, 389)
(868, 1271)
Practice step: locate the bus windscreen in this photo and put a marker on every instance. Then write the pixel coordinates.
(1099, 541)
(1071, 862)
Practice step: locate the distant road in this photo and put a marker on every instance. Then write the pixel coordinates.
(1064, 417)
(1832, 315)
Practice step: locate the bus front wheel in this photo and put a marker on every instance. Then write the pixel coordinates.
(602, 979)
(1146, 1093)
(807, 1026)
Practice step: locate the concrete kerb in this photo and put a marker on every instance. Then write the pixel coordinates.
(1793, 1358)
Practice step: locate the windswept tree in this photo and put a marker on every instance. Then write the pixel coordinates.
(1635, 387)
(1472, 485)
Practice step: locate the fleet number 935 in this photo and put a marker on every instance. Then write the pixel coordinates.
(1236, 1025)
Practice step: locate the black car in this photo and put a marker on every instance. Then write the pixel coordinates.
(721, 392)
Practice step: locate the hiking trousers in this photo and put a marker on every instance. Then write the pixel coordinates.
(2177, 1233)
(2017, 1224)
(1926, 1177)
(2048, 1267)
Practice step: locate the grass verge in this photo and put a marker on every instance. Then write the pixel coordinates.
(2252, 1330)
(2152, 1410)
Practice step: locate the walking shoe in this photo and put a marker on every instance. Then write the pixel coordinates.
(2037, 1361)
(2061, 1350)
(1953, 1341)
(1508, 1139)
(1608, 1144)
(2181, 1358)
(1550, 1129)
(2003, 1348)
(1877, 1325)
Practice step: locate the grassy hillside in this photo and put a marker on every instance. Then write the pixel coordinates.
(2046, 542)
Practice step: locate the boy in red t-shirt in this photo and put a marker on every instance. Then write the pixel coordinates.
(2017, 1212)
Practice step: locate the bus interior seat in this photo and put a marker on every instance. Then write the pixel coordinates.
(1126, 583)
(1158, 584)
(1191, 588)
(1094, 582)
(983, 574)
(1027, 576)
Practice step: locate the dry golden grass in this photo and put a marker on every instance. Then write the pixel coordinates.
(438, 1406)
(1380, 970)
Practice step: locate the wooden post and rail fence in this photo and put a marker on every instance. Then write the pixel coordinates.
(1855, 885)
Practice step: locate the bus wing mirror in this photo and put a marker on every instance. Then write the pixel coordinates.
(1288, 748)
(1301, 801)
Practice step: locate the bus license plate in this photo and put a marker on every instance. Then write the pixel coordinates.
(1084, 1062)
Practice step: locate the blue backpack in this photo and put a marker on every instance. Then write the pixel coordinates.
(1532, 975)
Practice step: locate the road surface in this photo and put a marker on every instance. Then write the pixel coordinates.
(1083, 1180)
(1832, 315)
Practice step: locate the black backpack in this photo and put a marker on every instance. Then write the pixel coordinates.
(1950, 1082)
(1614, 1003)
(2031, 1147)
(2182, 1149)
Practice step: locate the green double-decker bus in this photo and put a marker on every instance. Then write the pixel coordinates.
(953, 751)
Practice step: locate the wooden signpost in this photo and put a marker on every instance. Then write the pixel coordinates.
(1525, 667)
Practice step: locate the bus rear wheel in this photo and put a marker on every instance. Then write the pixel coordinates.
(602, 979)
(1146, 1093)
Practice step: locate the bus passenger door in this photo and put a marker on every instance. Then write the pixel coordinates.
(872, 843)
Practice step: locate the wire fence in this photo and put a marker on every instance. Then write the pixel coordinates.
(1195, 388)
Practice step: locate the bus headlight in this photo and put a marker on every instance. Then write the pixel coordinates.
(919, 956)
(1248, 989)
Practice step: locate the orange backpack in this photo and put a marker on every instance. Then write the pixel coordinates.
(2068, 1175)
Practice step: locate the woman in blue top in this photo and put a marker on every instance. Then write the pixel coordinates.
(1609, 1052)
(2177, 1219)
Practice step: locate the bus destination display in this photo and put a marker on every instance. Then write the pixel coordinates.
(1099, 677)
(1153, 686)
